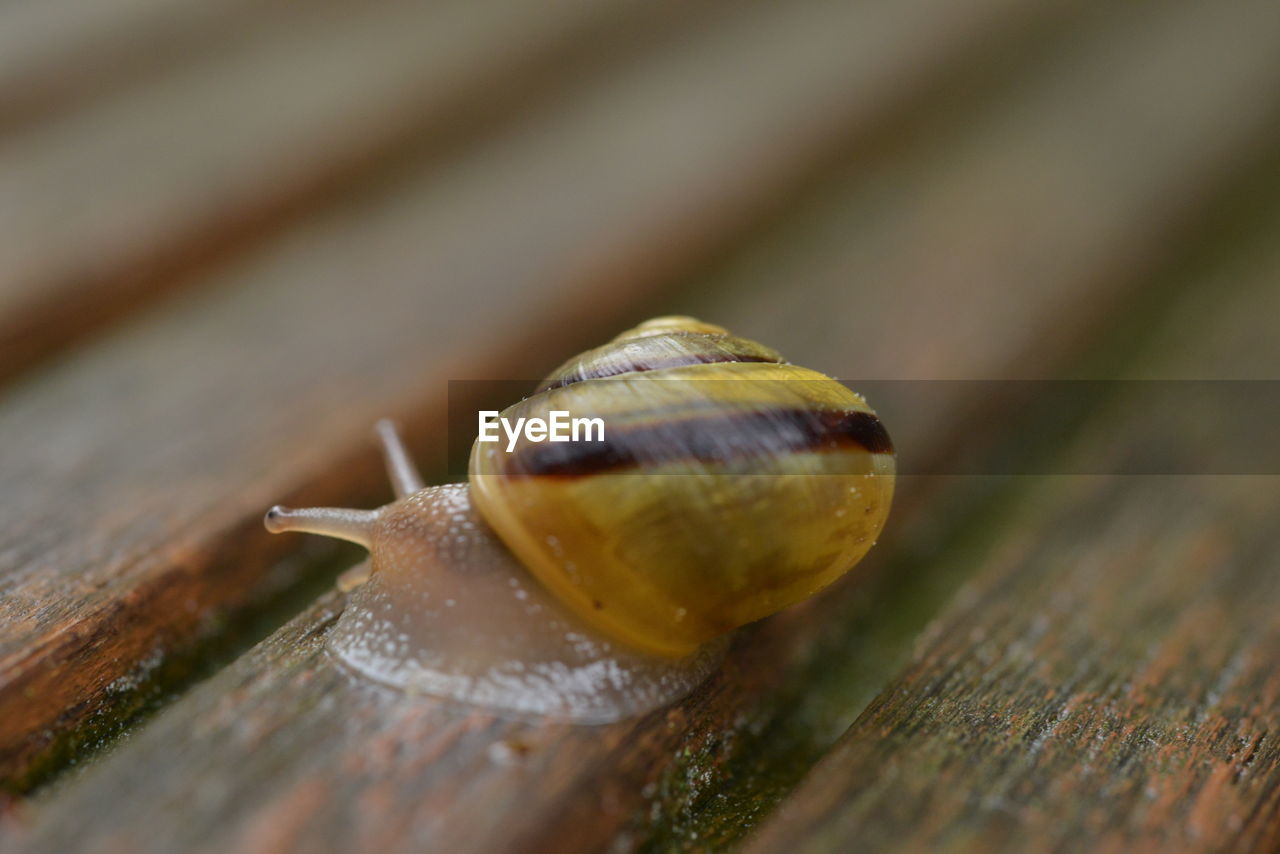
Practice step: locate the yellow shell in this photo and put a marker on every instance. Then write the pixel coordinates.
(729, 485)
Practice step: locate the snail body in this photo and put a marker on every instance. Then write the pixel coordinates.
(597, 580)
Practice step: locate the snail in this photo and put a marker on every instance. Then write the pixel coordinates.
(596, 580)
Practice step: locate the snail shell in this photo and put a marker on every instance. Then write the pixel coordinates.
(596, 580)
(729, 485)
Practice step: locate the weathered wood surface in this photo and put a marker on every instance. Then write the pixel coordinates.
(135, 474)
(1108, 679)
(142, 190)
(284, 750)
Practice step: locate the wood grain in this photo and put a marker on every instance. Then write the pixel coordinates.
(290, 752)
(139, 192)
(136, 473)
(1107, 681)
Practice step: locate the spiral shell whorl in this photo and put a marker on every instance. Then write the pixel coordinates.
(659, 344)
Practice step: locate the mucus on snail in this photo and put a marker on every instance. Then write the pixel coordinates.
(596, 581)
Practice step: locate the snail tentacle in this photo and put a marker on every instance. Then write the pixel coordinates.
(405, 479)
(342, 523)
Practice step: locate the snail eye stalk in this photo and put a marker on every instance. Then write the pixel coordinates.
(355, 526)
(404, 476)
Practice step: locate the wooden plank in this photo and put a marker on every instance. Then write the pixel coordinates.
(139, 192)
(263, 389)
(54, 52)
(292, 753)
(1107, 682)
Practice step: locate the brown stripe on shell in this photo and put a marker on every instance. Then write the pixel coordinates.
(706, 439)
(703, 349)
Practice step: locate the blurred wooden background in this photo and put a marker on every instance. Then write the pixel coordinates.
(234, 234)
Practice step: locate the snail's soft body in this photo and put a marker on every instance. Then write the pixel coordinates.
(597, 580)
(450, 612)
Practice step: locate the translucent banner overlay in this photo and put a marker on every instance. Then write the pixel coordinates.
(936, 427)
